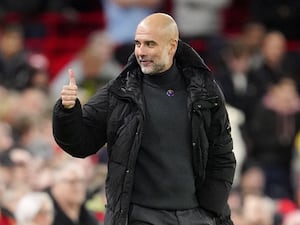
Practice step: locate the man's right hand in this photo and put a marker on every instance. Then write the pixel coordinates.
(69, 92)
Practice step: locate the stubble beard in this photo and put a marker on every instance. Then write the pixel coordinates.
(154, 69)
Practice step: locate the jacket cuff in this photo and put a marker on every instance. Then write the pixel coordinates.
(76, 106)
(213, 196)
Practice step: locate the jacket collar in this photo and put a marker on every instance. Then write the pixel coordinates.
(185, 56)
(127, 84)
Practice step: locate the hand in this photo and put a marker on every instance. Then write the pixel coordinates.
(69, 92)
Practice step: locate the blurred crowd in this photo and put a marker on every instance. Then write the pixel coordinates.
(257, 65)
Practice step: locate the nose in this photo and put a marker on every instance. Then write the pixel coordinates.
(140, 50)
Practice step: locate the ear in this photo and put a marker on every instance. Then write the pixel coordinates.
(173, 46)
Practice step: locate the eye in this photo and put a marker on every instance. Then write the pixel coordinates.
(151, 44)
(137, 43)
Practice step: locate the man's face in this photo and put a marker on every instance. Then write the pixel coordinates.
(72, 186)
(153, 50)
(11, 43)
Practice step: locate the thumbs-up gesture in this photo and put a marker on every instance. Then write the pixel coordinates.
(69, 92)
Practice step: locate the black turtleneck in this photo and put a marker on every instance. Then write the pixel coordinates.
(164, 175)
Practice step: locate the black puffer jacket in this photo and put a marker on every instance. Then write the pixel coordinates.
(115, 115)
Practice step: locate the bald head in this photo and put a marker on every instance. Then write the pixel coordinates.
(162, 23)
(156, 41)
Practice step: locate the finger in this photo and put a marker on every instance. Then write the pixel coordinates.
(69, 98)
(69, 89)
(68, 104)
(72, 78)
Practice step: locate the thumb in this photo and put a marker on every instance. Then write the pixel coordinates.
(72, 77)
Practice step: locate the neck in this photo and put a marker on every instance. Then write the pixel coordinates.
(163, 78)
(72, 210)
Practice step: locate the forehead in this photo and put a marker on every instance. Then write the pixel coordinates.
(146, 33)
(71, 172)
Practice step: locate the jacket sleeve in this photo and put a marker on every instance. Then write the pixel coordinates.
(221, 163)
(81, 131)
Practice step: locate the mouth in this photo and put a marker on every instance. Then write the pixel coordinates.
(144, 62)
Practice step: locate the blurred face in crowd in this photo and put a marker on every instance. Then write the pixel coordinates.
(253, 35)
(34, 208)
(285, 97)
(156, 42)
(11, 42)
(70, 185)
(41, 178)
(253, 181)
(238, 58)
(274, 47)
(22, 162)
(96, 54)
(45, 215)
(6, 138)
(258, 210)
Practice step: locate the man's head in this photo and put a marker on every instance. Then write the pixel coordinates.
(35, 208)
(12, 40)
(156, 41)
(69, 187)
(274, 48)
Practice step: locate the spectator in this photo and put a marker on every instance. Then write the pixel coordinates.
(94, 66)
(201, 20)
(258, 210)
(122, 17)
(35, 208)
(205, 13)
(252, 35)
(234, 79)
(10, 200)
(9, 105)
(32, 134)
(282, 15)
(235, 204)
(30, 123)
(276, 121)
(41, 178)
(252, 181)
(39, 79)
(22, 162)
(275, 63)
(34, 103)
(14, 67)
(39, 71)
(68, 192)
(6, 137)
(95, 175)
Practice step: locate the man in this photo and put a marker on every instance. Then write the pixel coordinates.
(34, 208)
(167, 133)
(14, 67)
(68, 192)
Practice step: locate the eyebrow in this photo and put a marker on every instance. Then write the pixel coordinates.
(146, 42)
(150, 42)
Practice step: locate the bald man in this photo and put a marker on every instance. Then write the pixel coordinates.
(170, 158)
